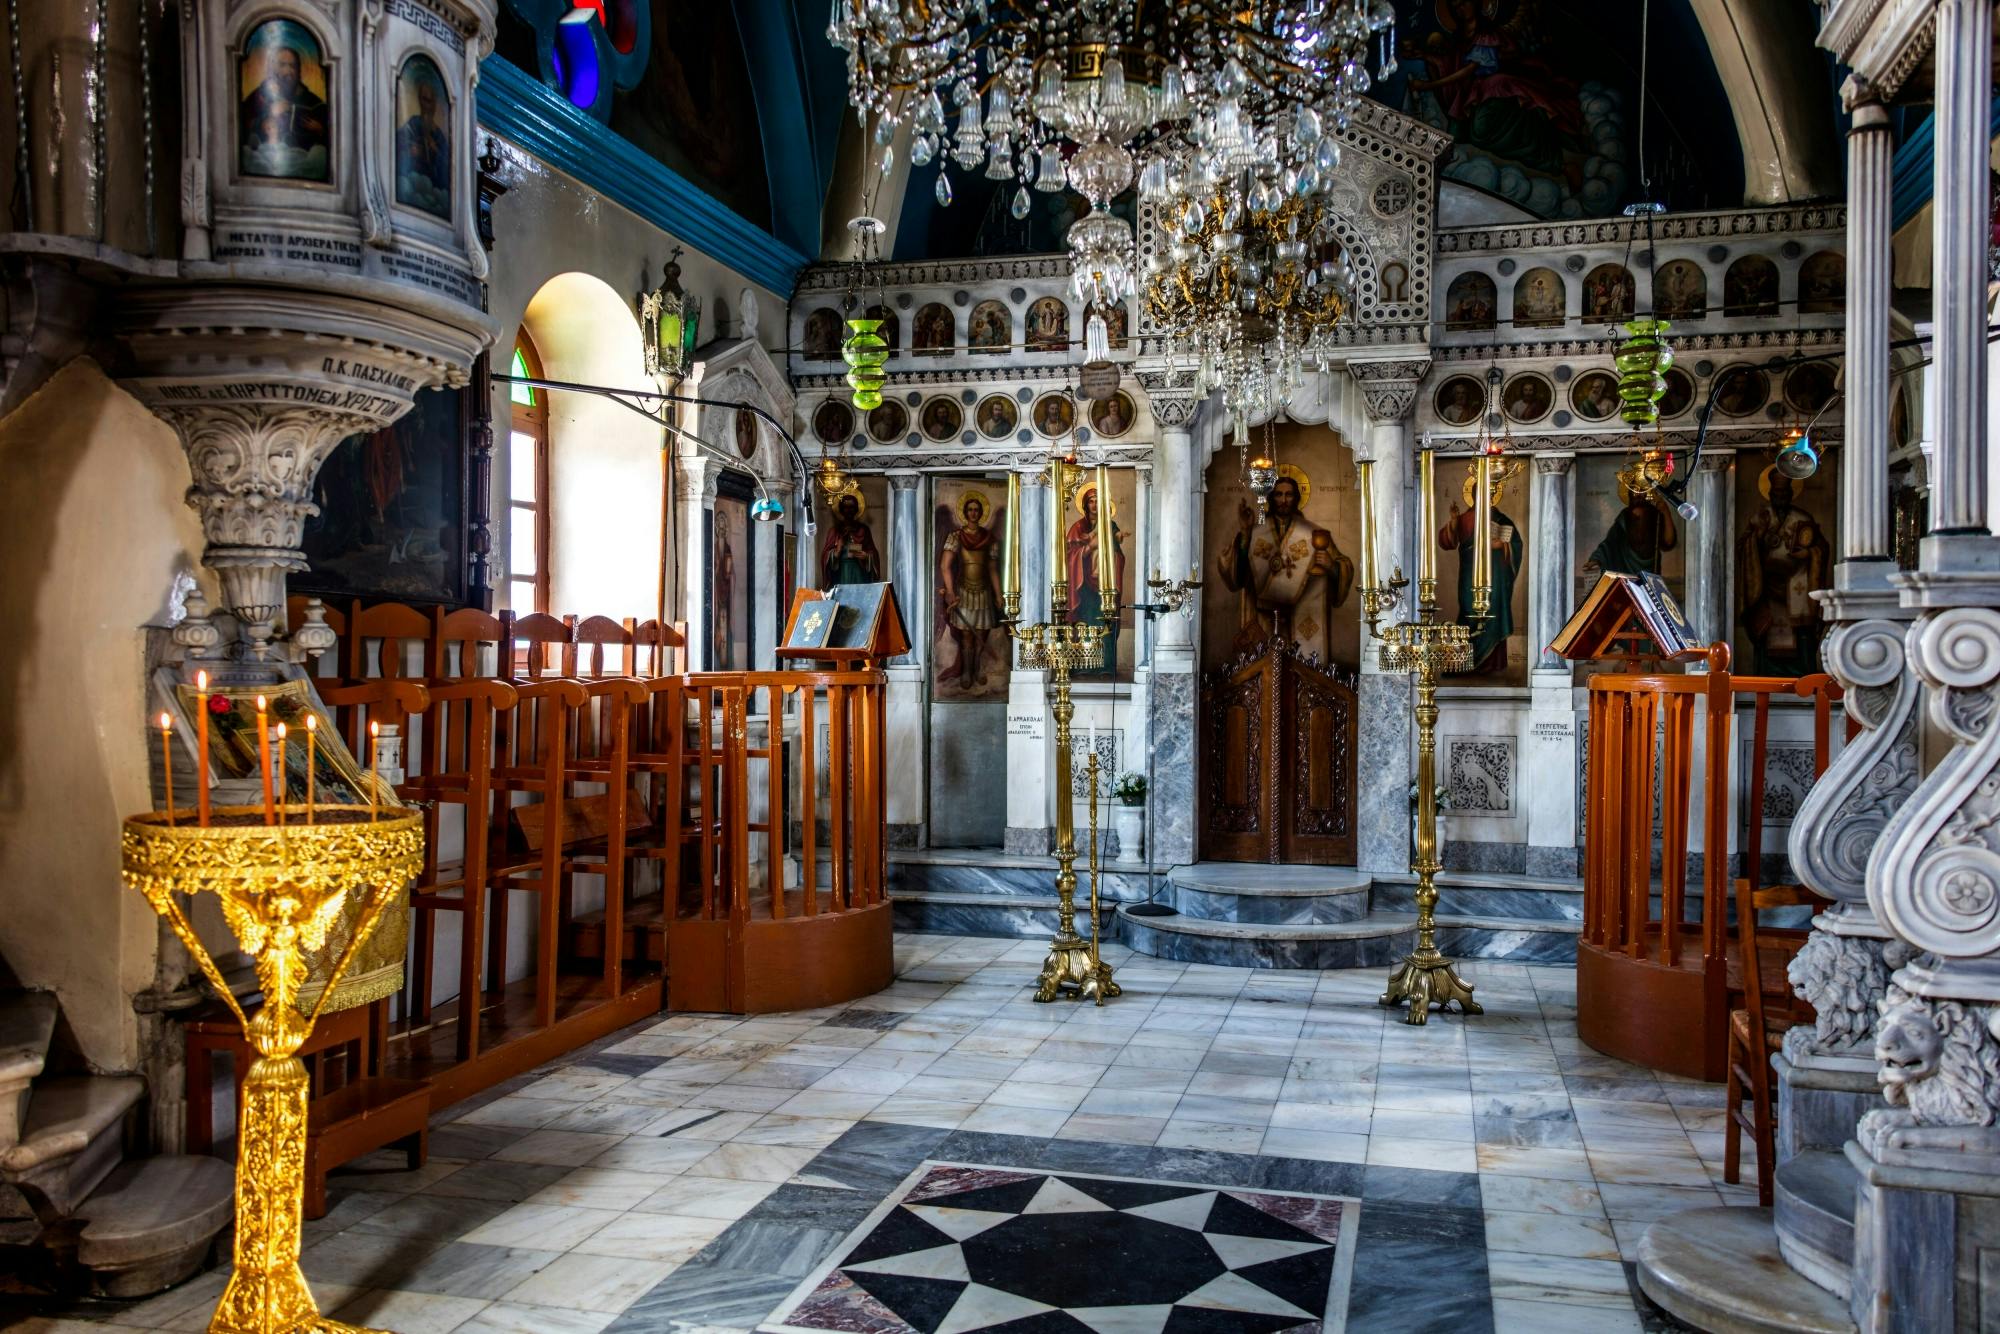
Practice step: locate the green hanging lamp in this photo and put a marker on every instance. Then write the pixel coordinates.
(866, 353)
(1642, 361)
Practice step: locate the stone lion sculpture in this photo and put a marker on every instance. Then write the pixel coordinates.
(1939, 1064)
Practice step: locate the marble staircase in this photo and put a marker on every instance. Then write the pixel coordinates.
(1247, 914)
(125, 1226)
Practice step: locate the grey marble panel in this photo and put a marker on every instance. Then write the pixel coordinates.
(904, 836)
(1382, 751)
(1000, 918)
(1549, 905)
(907, 566)
(1812, 1211)
(967, 809)
(1479, 942)
(1566, 863)
(1465, 855)
(1238, 951)
(1173, 762)
(1817, 1108)
(1034, 841)
(1003, 881)
(1346, 905)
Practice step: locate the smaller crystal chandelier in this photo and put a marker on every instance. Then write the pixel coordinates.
(670, 323)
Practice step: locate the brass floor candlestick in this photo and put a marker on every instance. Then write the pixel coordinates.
(280, 888)
(1426, 648)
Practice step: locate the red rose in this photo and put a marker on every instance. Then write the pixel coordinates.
(219, 704)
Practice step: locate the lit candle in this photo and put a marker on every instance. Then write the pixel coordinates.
(1368, 572)
(1010, 549)
(1427, 563)
(312, 739)
(167, 759)
(1058, 548)
(374, 776)
(264, 759)
(284, 778)
(201, 746)
(1107, 569)
(1482, 541)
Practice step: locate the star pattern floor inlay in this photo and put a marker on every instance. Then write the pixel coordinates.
(963, 1247)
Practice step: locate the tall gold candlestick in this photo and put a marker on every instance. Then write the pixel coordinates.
(1010, 551)
(1107, 569)
(1482, 542)
(1368, 569)
(1058, 543)
(1427, 563)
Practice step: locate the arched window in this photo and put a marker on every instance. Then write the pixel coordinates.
(528, 486)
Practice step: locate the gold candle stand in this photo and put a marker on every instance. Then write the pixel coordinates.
(1426, 648)
(280, 888)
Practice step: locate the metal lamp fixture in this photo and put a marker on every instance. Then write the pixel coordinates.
(670, 320)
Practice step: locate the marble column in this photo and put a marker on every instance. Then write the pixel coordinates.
(1030, 744)
(1827, 1072)
(906, 561)
(1927, 1211)
(694, 503)
(1389, 392)
(1708, 532)
(908, 778)
(1172, 688)
(1550, 746)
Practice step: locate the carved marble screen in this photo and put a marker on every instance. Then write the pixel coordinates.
(970, 652)
(1784, 549)
(1499, 643)
(1253, 571)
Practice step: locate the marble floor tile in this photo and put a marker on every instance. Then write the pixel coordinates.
(1540, 1195)
(518, 1111)
(861, 1079)
(950, 1088)
(1519, 1317)
(1112, 1128)
(1512, 1160)
(1232, 1111)
(555, 1227)
(563, 1148)
(652, 1236)
(1423, 1125)
(1142, 1079)
(913, 1111)
(1001, 1119)
(706, 1197)
(1059, 1097)
(604, 1118)
(1223, 1136)
(600, 1188)
(1323, 1146)
(738, 1097)
(1326, 1117)
(654, 1155)
(408, 1312)
(1559, 1280)
(752, 1162)
(814, 1132)
(1652, 1203)
(831, 1104)
(434, 1217)
(606, 1283)
(1545, 1234)
(1128, 1102)
(1437, 1155)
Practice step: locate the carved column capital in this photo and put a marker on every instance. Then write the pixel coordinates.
(905, 480)
(1389, 388)
(1553, 465)
(1171, 395)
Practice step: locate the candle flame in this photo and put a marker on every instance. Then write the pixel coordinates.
(201, 680)
(260, 703)
(282, 731)
(312, 722)
(374, 729)
(166, 721)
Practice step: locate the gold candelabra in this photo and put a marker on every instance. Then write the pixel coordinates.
(1075, 967)
(280, 887)
(1426, 648)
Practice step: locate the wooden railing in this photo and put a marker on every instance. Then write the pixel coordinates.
(1665, 1005)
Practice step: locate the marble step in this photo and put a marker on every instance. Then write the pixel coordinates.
(73, 1137)
(950, 871)
(1486, 894)
(1271, 895)
(1813, 1211)
(1720, 1270)
(1014, 916)
(1374, 941)
(27, 1023)
(151, 1222)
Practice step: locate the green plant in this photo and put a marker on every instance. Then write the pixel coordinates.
(1130, 788)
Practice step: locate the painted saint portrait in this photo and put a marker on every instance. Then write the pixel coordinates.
(1460, 401)
(1538, 299)
(823, 335)
(1619, 530)
(1680, 290)
(847, 550)
(284, 127)
(1809, 386)
(991, 329)
(1055, 415)
(996, 416)
(1288, 573)
(747, 432)
(1750, 288)
(970, 654)
(941, 419)
(1527, 398)
(1087, 600)
(934, 331)
(1607, 294)
(1744, 390)
(1680, 393)
(891, 330)
(1593, 396)
(1784, 551)
(888, 423)
(1823, 284)
(833, 421)
(1048, 325)
(1489, 634)
(423, 137)
(1638, 538)
(1471, 302)
(1113, 417)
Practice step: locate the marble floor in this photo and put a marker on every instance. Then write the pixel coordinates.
(701, 1173)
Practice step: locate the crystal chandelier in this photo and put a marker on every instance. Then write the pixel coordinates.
(1252, 289)
(1050, 94)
